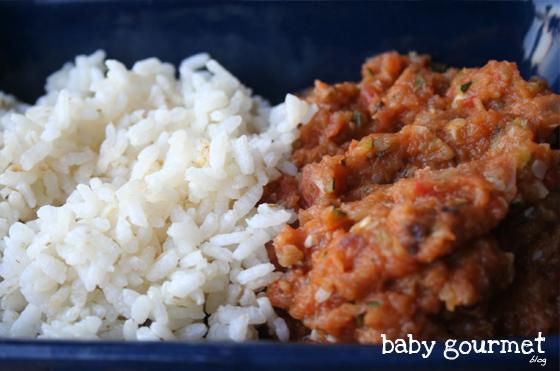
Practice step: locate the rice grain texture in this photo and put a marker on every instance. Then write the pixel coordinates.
(129, 203)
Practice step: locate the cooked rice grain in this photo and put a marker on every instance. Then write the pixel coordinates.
(129, 203)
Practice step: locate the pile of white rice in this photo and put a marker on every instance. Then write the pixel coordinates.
(128, 204)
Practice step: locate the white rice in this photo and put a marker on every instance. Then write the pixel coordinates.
(129, 203)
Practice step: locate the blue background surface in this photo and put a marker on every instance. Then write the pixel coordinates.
(275, 48)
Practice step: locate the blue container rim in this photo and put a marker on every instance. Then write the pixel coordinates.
(256, 353)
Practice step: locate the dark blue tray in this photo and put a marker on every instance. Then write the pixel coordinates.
(266, 356)
(274, 47)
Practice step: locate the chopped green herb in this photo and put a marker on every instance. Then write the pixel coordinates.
(419, 82)
(358, 118)
(383, 238)
(370, 72)
(466, 86)
(438, 67)
(375, 303)
(460, 202)
(366, 144)
(330, 185)
(520, 122)
(339, 212)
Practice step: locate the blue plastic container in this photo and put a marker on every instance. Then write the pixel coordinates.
(275, 48)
